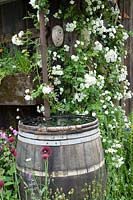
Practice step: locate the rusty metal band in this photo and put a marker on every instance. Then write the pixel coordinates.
(62, 174)
(59, 140)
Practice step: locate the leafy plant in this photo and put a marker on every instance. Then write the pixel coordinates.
(8, 172)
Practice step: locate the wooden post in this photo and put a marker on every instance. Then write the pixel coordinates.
(43, 46)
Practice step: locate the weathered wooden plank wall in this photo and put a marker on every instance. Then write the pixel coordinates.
(12, 19)
(127, 17)
(11, 22)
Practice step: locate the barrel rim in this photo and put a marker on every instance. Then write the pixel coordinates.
(40, 129)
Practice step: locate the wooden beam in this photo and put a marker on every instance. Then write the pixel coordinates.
(43, 45)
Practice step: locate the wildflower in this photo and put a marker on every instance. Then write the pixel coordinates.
(45, 156)
(13, 151)
(1, 184)
(46, 152)
(11, 128)
(11, 139)
(15, 132)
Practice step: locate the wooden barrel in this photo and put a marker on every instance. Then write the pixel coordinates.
(77, 155)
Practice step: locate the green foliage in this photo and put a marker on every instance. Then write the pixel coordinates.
(8, 172)
(12, 62)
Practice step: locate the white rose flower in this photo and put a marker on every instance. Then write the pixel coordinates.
(74, 58)
(71, 26)
(21, 33)
(93, 114)
(111, 56)
(46, 89)
(72, 2)
(89, 80)
(16, 40)
(33, 4)
(125, 36)
(27, 91)
(66, 48)
(27, 97)
(98, 46)
(57, 70)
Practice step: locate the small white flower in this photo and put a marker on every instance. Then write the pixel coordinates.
(111, 56)
(72, 2)
(98, 46)
(77, 42)
(61, 90)
(66, 48)
(108, 98)
(21, 33)
(74, 58)
(106, 112)
(16, 40)
(57, 70)
(111, 150)
(104, 106)
(85, 58)
(46, 89)
(33, 4)
(27, 97)
(17, 117)
(93, 114)
(57, 81)
(56, 15)
(125, 36)
(40, 109)
(89, 79)
(86, 112)
(27, 91)
(70, 26)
